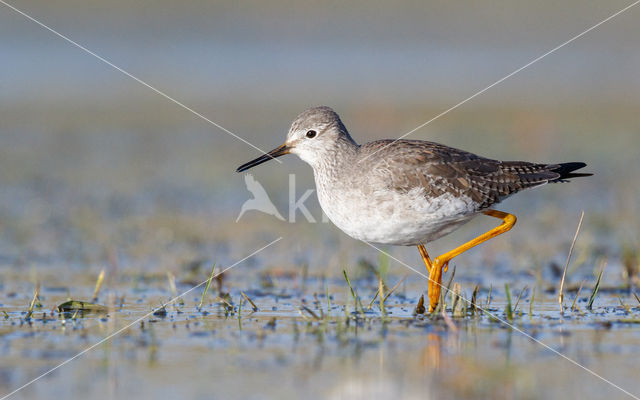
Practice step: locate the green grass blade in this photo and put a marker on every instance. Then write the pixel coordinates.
(508, 310)
(595, 288)
(206, 288)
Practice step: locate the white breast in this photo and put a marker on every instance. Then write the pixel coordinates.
(390, 217)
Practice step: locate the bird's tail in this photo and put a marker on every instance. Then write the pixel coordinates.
(566, 171)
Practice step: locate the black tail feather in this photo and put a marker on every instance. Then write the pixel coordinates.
(566, 171)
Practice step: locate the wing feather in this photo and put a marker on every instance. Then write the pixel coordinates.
(439, 169)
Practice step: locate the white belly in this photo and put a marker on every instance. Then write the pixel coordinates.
(390, 217)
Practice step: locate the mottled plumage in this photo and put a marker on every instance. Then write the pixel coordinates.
(442, 169)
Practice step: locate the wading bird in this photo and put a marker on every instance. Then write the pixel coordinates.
(407, 192)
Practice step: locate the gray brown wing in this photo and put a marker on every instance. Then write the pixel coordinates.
(439, 169)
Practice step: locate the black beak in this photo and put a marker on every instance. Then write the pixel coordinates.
(277, 152)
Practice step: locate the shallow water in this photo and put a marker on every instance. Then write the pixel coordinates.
(228, 350)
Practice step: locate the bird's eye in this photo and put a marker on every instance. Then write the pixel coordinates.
(311, 134)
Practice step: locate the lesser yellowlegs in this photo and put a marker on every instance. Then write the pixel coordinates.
(407, 192)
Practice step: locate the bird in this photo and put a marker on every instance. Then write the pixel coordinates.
(407, 192)
(260, 201)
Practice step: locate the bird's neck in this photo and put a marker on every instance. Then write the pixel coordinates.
(336, 159)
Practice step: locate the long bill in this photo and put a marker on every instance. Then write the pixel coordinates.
(277, 152)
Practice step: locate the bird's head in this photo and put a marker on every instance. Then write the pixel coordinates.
(313, 134)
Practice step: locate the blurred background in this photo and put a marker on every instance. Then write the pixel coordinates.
(95, 167)
(81, 140)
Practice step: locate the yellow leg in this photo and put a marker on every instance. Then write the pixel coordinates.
(435, 267)
(435, 276)
(425, 257)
